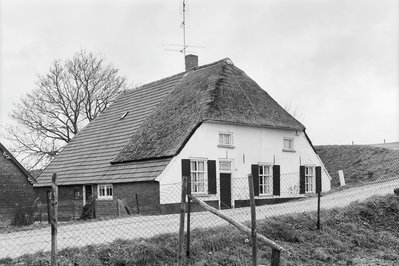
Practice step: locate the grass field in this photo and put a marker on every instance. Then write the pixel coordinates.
(361, 163)
(364, 233)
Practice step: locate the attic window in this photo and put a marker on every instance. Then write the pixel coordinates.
(288, 144)
(123, 116)
(225, 139)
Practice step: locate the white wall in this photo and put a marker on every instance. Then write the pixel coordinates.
(252, 145)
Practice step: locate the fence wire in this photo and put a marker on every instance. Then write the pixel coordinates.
(25, 230)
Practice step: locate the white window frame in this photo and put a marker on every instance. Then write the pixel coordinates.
(310, 178)
(265, 180)
(108, 192)
(196, 183)
(224, 170)
(222, 136)
(291, 147)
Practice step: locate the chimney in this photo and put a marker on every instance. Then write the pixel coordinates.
(191, 62)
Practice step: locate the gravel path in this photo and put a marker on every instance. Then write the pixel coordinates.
(82, 234)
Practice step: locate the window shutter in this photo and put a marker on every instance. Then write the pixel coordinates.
(255, 175)
(301, 179)
(212, 177)
(276, 180)
(186, 171)
(318, 179)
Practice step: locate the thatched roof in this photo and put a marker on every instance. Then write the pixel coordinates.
(215, 92)
(161, 117)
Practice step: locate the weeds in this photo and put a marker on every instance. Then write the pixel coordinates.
(364, 233)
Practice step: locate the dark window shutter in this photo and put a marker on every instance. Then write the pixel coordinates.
(212, 177)
(302, 179)
(276, 180)
(318, 179)
(255, 175)
(186, 171)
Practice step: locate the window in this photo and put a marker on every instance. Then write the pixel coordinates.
(225, 166)
(105, 192)
(198, 176)
(288, 144)
(226, 139)
(265, 180)
(76, 193)
(309, 179)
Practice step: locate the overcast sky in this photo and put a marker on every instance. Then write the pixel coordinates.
(333, 61)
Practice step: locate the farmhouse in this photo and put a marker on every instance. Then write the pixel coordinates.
(214, 120)
(16, 187)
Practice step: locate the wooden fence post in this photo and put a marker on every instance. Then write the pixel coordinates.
(54, 219)
(253, 220)
(181, 228)
(275, 257)
(188, 216)
(318, 210)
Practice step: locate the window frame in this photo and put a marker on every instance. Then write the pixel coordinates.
(263, 185)
(289, 149)
(310, 186)
(194, 173)
(226, 145)
(107, 195)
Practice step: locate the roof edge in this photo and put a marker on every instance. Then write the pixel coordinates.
(141, 160)
(31, 179)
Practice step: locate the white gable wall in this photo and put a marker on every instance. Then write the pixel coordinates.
(252, 145)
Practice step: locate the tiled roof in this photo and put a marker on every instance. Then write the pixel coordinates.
(7, 154)
(86, 159)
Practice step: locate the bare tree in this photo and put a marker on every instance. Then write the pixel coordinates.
(64, 100)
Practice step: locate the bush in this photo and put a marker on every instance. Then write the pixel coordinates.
(24, 216)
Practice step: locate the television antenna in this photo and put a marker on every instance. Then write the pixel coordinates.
(183, 48)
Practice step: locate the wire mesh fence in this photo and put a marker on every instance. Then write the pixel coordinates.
(28, 230)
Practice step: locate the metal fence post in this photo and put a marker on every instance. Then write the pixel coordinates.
(54, 219)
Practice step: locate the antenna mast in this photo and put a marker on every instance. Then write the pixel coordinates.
(184, 28)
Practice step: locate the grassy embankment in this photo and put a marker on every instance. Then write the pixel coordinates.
(361, 164)
(364, 233)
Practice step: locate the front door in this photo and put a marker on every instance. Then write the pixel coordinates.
(87, 194)
(225, 191)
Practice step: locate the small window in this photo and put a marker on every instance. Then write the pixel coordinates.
(198, 176)
(226, 139)
(225, 166)
(288, 144)
(76, 193)
(105, 192)
(309, 179)
(265, 180)
(123, 116)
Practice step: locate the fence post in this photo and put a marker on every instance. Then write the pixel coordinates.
(253, 220)
(318, 210)
(188, 216)
(48, 207)
(275, 257)
(54, 218)
(181, 228)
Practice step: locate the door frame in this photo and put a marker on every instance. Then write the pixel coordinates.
(231, 181)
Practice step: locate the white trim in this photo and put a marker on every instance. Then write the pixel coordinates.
(291, 140)
(226, 145)
(106, 197)
(205, 178)
(270, 183)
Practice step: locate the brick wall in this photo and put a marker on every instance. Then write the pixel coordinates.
(147, 199)
(68, 207)
(14, 189)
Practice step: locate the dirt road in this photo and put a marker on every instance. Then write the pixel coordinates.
(82, 234)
